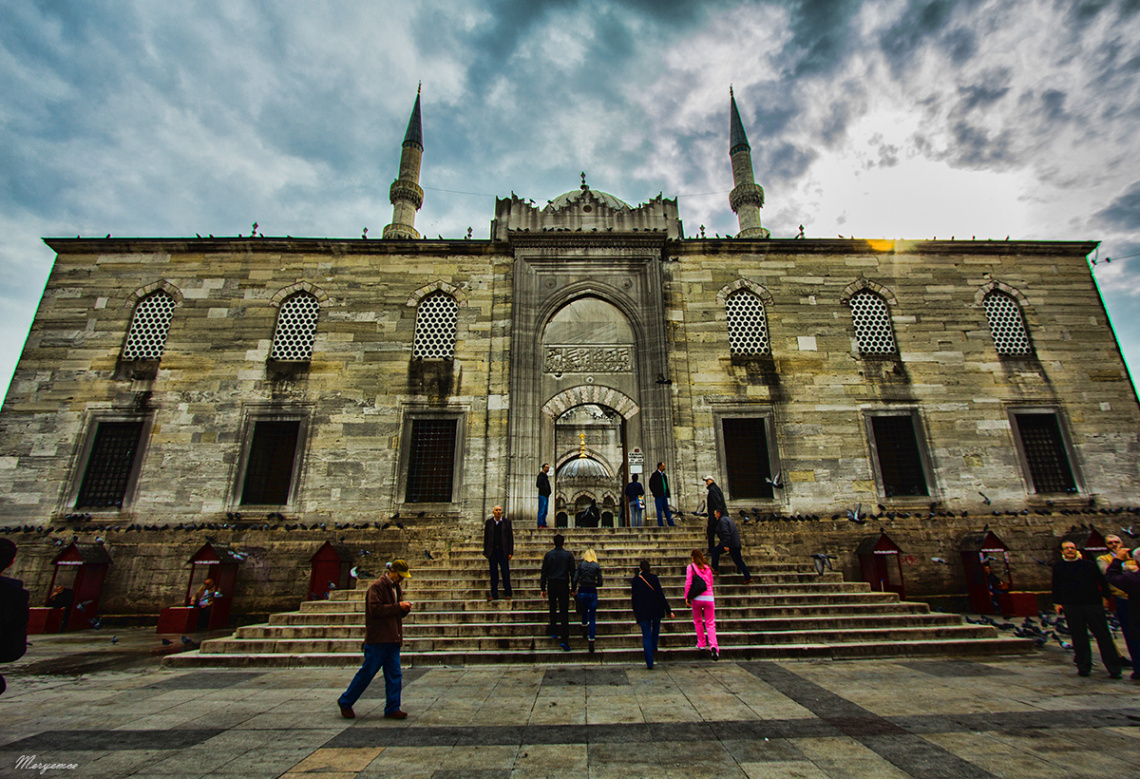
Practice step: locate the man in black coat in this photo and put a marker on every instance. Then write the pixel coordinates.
(543, 484)
(13, 611)
(557, 570)
(659, 486)
(713, 504)
(1078, 592)
(499, 548)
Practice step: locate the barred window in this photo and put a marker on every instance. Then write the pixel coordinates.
(1046, 457)
(269, 467)
(872, 321)
(1007, 325)
(109, 465)
(747, 324)
(296, 328)
(436, 320)
(901, 470)
(149, 326)
(431, 461)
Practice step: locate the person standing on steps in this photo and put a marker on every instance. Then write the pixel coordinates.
(384, 612)
(728, 540)
(499, 548)
(659, 486)
(635, 496)
(699, 595)
(714, 502)
(1121, 603)
(543, 484)
(587, 580)
(649, 607)
(1122, 573)
(557, 569)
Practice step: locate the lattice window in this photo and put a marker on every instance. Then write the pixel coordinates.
(296, 328)
(747, 324)
(149, 326)
(747, 464)
(872, 321)
(1045, 454)
(109, 465)
(1007, 325)
(269, 467)
(436, 321)
(900, 461)
(431, 465)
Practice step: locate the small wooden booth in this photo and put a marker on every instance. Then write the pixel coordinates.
(330, 569)
(880, 560)
(219, 564)
(992, 592)
(76, 587)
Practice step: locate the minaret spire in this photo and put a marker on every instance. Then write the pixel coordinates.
(747, 197)
(405, 192)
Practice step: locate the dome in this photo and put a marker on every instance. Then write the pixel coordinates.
(569, 198)
(583, 468)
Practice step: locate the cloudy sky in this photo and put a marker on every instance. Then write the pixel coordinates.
(896, 119)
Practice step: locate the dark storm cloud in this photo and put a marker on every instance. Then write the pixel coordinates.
(919, 25)
(976, 147)
(1123, 212)
(821, 35)
(993, 87)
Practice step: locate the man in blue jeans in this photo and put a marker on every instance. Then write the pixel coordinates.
(659, 486)
(383, 636)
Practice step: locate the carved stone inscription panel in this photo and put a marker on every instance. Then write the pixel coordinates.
(588, 359)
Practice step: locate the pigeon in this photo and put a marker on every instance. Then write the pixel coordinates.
(95, 623)
(358, 573)
(777, 480)
(114, 639)
(856, 516)
(985, 499)
(187, 642)
(939, 560)
(330, 585)
(821, 560)
(166, 642)
(427, 555)
(1130, 531)
(83, 606)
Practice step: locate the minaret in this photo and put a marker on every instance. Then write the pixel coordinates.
(405, 193)
(747, 197)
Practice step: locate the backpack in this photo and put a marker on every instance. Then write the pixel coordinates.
(13, 620)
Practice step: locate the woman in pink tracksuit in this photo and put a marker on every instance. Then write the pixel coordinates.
(704, 607)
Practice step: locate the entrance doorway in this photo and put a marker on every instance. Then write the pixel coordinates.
(590, 472)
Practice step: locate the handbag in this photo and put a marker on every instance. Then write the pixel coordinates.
(697, 587)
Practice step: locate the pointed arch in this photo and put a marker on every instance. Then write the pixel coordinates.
(585, 394)
(456, 293)
(162, 284)
(859, 285)
(994, 285)
(756, 289)
(301, 286)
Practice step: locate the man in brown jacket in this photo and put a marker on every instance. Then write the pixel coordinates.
(383, 635)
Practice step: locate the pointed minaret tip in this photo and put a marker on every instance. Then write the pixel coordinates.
(738, 140)
(414, 135)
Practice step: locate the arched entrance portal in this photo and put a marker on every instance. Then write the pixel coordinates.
(589, 472)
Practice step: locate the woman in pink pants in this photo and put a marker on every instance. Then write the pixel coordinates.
(701, 599)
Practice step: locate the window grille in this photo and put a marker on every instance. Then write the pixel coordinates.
(747, 324)
(1007, 325)
(269, 467)
(431, 465)
(296, 328)
(151, 321)
(900, 461)
(872, 321)
(436, 320)
(1045, 453)
(109, 465)
(746, 458)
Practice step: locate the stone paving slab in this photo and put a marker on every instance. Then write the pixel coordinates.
(119, 713)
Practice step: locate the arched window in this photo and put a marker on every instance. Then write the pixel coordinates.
(747, 324)
(872, 321)
(1007, 325)
(296, 328)
(147, 337)
(436, 319)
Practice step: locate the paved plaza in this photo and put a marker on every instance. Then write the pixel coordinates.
(98, 708)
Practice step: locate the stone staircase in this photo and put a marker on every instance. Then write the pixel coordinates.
(785, 612)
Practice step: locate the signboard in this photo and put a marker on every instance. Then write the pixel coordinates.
(636, 461)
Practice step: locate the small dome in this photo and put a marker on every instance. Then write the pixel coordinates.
(583, 468)
(568, 198)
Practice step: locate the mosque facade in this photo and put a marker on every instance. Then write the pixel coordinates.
(175, 380)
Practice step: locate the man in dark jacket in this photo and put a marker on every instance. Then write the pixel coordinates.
(384, 614)
(543, 484)
(728, 540)
(659, 486)
(713, 504)
(1078, 592)
(499, 548)
(1127, 579)
(13, 611)
(557, 568)
(649, 607)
